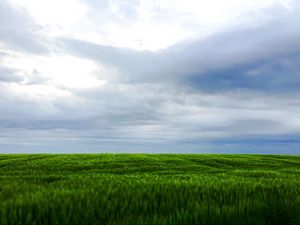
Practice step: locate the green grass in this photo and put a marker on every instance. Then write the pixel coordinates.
(149, 189)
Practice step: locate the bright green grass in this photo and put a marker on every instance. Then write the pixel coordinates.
(149, 189)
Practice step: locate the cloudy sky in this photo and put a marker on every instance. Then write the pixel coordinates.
(155, 76)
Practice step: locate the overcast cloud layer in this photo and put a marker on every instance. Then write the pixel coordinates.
(150, 76)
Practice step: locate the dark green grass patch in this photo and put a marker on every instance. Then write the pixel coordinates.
(149, 189)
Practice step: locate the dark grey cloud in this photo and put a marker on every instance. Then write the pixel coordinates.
(277, 74)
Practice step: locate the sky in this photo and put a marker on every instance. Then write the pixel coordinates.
(153, 76)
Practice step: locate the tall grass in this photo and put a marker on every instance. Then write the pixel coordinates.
(149, 189)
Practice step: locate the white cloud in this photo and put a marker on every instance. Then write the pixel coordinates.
(55, 12)
(58, 70)
(143, 24)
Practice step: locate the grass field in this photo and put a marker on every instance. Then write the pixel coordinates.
(149, 189)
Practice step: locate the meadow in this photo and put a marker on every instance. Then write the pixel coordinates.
(149, 189)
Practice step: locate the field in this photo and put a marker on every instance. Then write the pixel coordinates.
(149, 189)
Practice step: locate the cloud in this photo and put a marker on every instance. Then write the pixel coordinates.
(225, 58)
(19, 31)
(147, 114)
(277, 74)
(7, 75)
(233, 88)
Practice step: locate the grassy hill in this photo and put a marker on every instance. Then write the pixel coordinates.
(149, 189)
